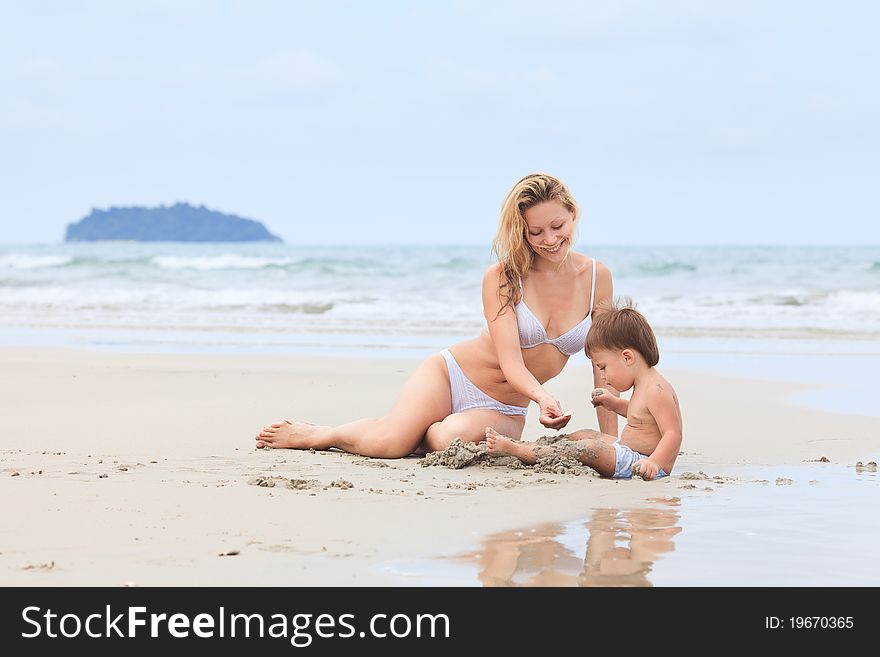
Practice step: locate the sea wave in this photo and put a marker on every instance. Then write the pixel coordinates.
(796, 299)
(456, 264)
(854, 300)
(814, 309)
(224, 261)
(319, 262)
(305, 308)
(665, 267)
(32, 261)
(406, 291)
(169, 299)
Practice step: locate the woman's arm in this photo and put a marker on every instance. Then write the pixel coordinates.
(604, 291)
(609, 409)
(505, 335)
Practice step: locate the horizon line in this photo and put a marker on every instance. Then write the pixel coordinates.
(443, 244)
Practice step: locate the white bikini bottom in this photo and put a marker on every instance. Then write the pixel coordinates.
(465, 395)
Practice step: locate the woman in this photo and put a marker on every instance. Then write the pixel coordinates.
(538, 288)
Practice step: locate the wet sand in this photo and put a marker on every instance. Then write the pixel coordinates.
(812, 526)
(130, 469)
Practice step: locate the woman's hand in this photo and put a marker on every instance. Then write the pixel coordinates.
(552, 415)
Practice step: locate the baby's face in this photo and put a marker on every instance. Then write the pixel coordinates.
(614, 368)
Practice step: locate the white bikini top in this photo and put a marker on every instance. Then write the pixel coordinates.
(532, 332)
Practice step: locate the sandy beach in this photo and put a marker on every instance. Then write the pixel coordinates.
(219, 217)
(139, 469)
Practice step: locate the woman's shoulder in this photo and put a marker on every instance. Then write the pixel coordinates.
(493, 271)
(584, 266)
(494, 274)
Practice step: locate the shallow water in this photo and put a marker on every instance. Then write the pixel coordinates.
(819, 530)
(842, 371)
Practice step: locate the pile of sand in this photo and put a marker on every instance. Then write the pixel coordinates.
(565, 460)
(458, 455)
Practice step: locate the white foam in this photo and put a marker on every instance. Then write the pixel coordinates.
(404, 292)
(225, 261)
(813, 309)
(856, 301)
(27, 261)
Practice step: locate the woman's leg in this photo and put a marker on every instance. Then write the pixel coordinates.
(470, 426)
(590, 448)
(424, 400)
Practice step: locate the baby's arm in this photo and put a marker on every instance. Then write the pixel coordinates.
(607, 399)
(663, 406)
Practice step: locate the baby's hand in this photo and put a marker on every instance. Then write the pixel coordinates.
(646, 469)
(599, 397)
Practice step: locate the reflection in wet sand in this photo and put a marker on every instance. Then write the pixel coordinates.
(621, 548)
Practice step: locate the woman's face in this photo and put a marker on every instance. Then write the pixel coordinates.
(550, 225)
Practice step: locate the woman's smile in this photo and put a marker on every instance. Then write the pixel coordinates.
(555, 249)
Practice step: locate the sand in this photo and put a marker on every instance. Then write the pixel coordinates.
(139, 469)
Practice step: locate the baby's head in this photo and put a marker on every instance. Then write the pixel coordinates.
(619, 342)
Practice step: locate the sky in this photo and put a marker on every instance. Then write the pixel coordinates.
(407, 122)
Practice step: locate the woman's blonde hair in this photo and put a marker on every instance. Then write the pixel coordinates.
(511, 246)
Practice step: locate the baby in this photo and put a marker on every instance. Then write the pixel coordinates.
(622, 345)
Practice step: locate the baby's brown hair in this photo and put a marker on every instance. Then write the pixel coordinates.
(623, 327)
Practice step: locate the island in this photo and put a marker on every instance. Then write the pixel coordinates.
(180, 222)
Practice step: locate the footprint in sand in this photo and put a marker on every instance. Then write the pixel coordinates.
(39, 566)
(693, 476)
(373, 463)
(284, 482)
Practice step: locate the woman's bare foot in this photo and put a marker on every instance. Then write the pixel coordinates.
(291, 435)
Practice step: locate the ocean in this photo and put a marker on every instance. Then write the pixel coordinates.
(411, 297)
(805, 313)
